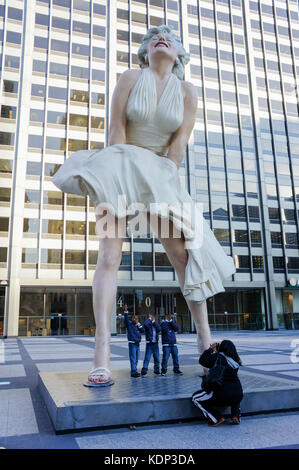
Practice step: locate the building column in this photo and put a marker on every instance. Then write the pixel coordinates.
(19, 171)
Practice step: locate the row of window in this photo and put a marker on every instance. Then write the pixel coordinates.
(54, 256)
(143, 259)
(269, 10)
(81, 5)
(64, 24)
(59, 143)
(239, 237)
(58, 93)
(215, 163)
(55, 117)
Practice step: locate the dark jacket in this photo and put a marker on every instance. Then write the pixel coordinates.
(168, 329)
(231, 388)
(134, 331)
(149, 326)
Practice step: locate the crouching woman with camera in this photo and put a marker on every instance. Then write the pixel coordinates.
(221, 386)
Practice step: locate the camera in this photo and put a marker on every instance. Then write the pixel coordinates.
(217, 346)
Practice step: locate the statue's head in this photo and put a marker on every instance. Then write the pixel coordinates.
(152, 49)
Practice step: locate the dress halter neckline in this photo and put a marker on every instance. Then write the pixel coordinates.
(155, 86)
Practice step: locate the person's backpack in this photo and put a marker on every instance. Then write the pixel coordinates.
(213, 380)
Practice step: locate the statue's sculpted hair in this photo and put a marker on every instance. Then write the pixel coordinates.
(183, 56)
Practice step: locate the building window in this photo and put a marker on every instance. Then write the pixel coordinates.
(5, 194)
(42, 19)
(51, 256)
(32, 197)
(79, 72)
(60, 46)
(29, 256)
(57, 93)
(98, 75)
(37, 115)
(79, 96)
(10, 86)
(75, 227)
(142, 261)
(60, 23)
(222, 235)
(240, 237)
(73, 200)
(276, 238)
(12, 37)
(125, 263)
(4, 224)
(12, 62)
(53, 198)
(8, 112)
(6, 166)
(258, 263)
(98, 98)
(7, 138)
(55, 143)
(255, 236)
(242, 263)
(38, 90)
(3, 255)
(78, 120)
(98, 52)
(15, 14)
(162, 262)
(80, 27)
(75, 257)
(55, 117)
(59, 69)
(33, 168)
(35, 141)
(52, 226)
(254, 213)
(81, 49)
(99, 31)
(39, 66)
(31, 226)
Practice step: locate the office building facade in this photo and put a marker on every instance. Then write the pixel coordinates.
(60, 61)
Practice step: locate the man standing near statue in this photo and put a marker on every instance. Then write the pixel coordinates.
(169, 346)
(152, 330)
(134, 330)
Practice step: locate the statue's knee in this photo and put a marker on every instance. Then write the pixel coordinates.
(109, 261)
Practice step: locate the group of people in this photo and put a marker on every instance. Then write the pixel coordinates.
(208, 401)
(152, 330)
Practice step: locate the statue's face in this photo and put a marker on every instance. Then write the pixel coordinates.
(162, 45)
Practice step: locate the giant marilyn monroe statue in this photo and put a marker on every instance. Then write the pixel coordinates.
(152, 116)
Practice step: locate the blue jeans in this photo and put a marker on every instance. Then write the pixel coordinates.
(173, 350)
(151, 349)
(134, 351)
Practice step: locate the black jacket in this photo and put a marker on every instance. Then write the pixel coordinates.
(231, 388)
(149, 325)
(168, 330)
(134, 331)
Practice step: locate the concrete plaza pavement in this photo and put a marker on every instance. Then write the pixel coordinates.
(25, 424)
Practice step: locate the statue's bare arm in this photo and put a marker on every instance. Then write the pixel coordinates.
(181, 137)
(117, 127)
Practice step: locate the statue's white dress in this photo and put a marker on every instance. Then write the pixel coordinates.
(122, 175)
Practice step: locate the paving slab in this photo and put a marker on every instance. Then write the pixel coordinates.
(149, 399)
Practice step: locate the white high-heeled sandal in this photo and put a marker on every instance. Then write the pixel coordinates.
(97, 373)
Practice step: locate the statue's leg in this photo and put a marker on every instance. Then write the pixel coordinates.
(178, 256)
(104, 288)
